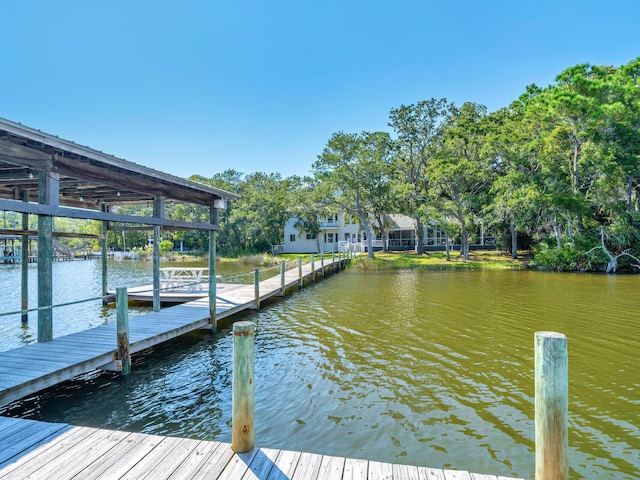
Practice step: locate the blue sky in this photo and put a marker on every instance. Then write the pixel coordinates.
(197, 86)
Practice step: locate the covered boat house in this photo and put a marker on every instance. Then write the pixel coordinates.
(44, 175)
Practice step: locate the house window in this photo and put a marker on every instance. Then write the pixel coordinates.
(311, 236)
(329, 237)
(292, 237)
(347, 237)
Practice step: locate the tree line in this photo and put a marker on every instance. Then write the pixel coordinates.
(557, 171)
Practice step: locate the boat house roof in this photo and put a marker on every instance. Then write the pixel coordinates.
(86, 179)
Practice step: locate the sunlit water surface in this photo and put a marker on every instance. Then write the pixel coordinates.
(424, 368)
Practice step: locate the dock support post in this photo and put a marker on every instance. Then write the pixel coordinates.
(48, 194)
(213, 285)
(300, 273)
(122, 322)
(322, 263)
(282, 267)
(551, 406)
(242, 411)
(24, 290)
(313, 268)
(103, 255)
(333, 261)
(256, 287)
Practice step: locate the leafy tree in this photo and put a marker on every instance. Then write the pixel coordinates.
(420, 129)
(357, 170)
(461, 174)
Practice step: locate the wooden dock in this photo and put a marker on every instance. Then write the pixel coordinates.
(29, 369)
(32, 449)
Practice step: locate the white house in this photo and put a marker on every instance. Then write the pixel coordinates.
(340, 231)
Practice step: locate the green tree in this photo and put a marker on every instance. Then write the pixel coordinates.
(357, 170)
(461, 174)
(419, 129)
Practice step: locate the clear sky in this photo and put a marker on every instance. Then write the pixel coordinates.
(201, 86)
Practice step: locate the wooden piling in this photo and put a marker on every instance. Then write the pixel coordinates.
(24, 196)
(551, 406)
(322, 263)
(282, 268)
(313, 268)
(256, 287)
(333, 261)
(122, 322)
(242, 413)
(300, 272)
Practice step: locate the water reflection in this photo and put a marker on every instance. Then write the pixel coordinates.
(428, 368)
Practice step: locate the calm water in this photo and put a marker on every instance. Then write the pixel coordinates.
(427, 368)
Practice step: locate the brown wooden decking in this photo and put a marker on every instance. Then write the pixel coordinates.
(31, 449)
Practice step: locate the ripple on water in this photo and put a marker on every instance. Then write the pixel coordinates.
(427, 368)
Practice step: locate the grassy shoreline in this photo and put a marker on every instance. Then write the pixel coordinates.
(437, 261)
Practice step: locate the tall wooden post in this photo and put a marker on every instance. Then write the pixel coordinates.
(313, 268)
(24, 291)
(213, 294)
(256, 287)
(299, 273)
(103, 256)
(282, 268)
(552, 404)
(242, 412)
(333, 260)
(122, 323)
(158, 212)
(48, 194)
(322, 263)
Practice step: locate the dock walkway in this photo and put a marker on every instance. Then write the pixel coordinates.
(34, 367)
(56, 451)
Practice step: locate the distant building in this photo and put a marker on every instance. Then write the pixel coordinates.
(340, 232)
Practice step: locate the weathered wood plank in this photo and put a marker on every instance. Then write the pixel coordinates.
(285, 465)
(196, 460)
(331, 467)
(355, 469)
(380, 471)
(238, 465)
(308, 466)
(30, 463)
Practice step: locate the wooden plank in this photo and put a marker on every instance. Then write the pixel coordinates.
(105, 463)
(213, 466)
(331, 467)
(238, 465)
(143, 444)
(31, 462)
(165, 448)
(432, 473)
(73, 459)
(380, 471)
(28, 438)
(308, 466)
(355, 469)
(170, 462)
(261, 465)
(457, 475)
(285, 465)
(198, 458)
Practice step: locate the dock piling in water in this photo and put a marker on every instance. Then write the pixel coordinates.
(122, 322)
(282, 282)
(256, 283)
(300, 272)
(551, 406)
(242, 413)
